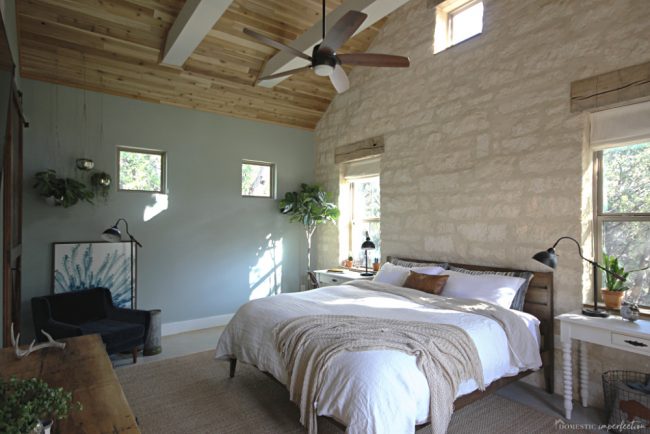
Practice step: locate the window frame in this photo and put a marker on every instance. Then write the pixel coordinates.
(272, 192)
(163, 168)
(445, 13)
(355, 221)
(450, 21)
(600, 217)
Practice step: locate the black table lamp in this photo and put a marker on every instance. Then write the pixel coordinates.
(113, 235)
(367, 245)
(549, 258)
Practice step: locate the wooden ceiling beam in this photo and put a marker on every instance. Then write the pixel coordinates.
(193, 23)
(283, 61)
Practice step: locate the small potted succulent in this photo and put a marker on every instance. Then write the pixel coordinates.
(348, 263)
(31, 405)
(614, 289)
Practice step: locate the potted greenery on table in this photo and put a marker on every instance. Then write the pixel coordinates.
(614, 289)
(31, 406)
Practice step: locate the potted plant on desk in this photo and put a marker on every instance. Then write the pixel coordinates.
(614, 289)
(31, 406)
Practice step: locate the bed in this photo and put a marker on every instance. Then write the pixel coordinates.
(367, 391)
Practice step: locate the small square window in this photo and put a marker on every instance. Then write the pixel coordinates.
(141, 170)
(257, 179)
(456, 21)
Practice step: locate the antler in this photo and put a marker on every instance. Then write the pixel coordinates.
(32, 348)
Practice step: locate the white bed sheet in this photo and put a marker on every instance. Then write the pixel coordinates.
(373, 391)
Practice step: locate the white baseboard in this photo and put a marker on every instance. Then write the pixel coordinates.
(174, 328)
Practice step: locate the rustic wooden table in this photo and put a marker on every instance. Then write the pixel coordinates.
(84, 369)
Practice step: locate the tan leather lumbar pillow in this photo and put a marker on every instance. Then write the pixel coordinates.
(432, 284)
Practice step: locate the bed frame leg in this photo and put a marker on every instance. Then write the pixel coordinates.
(549, 376)
(233, 366)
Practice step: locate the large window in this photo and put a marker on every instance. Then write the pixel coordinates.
(456, 21)
(365, 217)
(623, 211)
(141, 170)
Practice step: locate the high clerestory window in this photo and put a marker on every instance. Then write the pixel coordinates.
(257, 179)
(141, 170)
(457, 21)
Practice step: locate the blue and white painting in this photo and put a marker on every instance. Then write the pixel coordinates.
(95, 265)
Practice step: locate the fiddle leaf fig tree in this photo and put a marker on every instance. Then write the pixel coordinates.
(311, 206)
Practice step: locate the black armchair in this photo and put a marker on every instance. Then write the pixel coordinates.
(91, 311)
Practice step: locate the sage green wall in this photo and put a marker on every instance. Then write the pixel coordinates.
(201, 256)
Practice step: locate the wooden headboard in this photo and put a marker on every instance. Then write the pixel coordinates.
(538, 302)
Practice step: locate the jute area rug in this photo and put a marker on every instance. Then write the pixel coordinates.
(194, 395)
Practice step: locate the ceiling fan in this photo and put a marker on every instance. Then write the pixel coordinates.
(324, 60)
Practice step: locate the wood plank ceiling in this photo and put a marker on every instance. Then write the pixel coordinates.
(114, 46)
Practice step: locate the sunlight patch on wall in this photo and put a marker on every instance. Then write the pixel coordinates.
(160, 204)
(265, 277)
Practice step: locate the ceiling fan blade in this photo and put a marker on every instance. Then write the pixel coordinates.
(275, 44)
(340, 79)
(371, 59)
(342, 30)
(284, 73)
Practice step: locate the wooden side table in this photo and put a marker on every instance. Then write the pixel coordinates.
(83, 368)
(612, 332)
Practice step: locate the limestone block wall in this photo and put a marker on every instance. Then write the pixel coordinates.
(484, 163)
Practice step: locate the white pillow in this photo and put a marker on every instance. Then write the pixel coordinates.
(495, 289)
(396, 275)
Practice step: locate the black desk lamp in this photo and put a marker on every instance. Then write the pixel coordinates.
(367, 245)
(113, 235)
(549, 258)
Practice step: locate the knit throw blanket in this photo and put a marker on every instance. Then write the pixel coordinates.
(445, 354)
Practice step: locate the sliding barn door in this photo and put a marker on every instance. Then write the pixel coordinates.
(12, 216)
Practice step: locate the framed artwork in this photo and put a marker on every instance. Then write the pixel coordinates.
(96, 265)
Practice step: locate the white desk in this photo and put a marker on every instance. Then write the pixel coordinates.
(329, 278)
(612, 332)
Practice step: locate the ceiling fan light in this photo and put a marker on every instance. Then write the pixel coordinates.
(324, 70)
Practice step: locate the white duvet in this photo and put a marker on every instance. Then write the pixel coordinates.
(373, 391)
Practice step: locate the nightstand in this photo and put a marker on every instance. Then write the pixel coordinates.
(612, 332)
(329, 278)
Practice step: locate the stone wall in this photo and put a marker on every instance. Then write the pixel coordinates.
(484, 163)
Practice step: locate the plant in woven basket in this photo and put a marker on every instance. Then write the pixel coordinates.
(26, 402)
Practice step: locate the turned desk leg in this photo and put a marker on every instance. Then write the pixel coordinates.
(584, 374)
(568, 378)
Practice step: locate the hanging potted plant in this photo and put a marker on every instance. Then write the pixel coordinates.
(63, 192)
(101, 183)
(614, 289)
(311, 207)
(31, 406)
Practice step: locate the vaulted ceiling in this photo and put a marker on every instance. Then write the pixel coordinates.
(114, 46)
